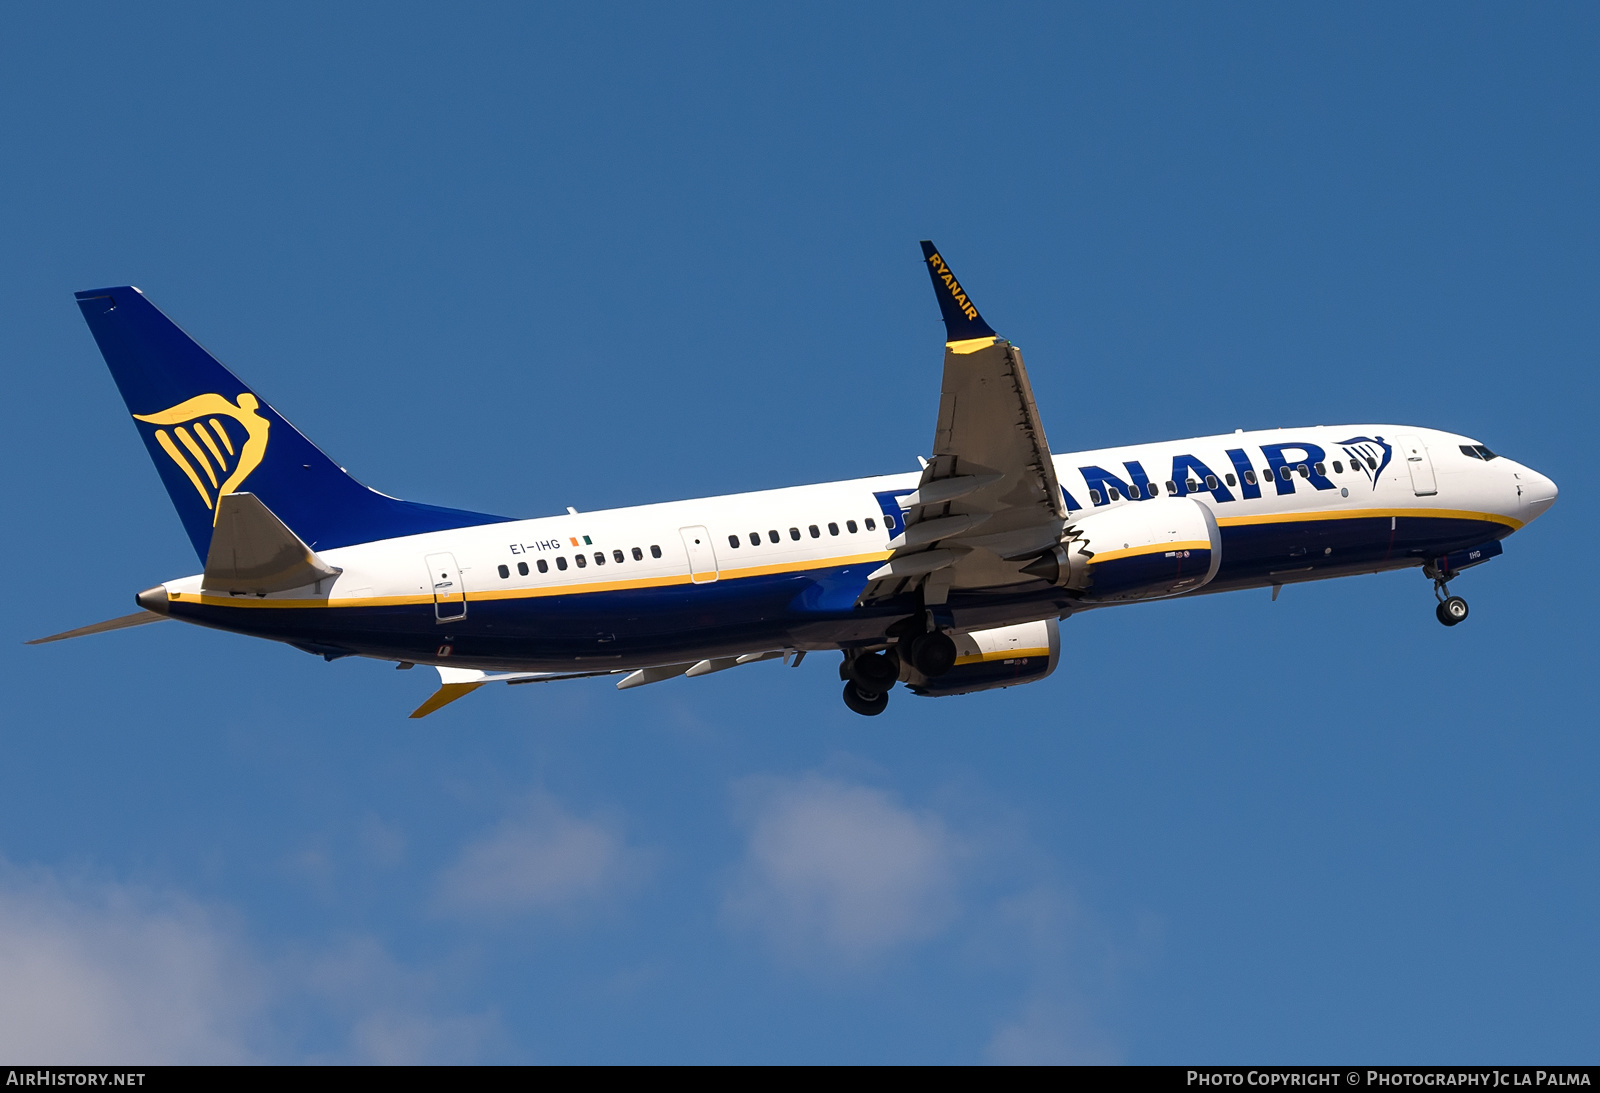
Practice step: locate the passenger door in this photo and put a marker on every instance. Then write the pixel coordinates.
(1415, 454)
(702, 559)
(449, 594)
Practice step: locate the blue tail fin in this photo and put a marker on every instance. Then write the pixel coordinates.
(210, 435)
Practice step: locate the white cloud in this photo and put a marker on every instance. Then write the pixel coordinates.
(540, 858)
(101, 972)
(840, 870)
(108, 973)
(1050, 1033)
(383, 1006)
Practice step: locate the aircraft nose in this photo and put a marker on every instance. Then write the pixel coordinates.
(1538, 493)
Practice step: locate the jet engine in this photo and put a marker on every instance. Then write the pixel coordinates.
(988, 659)
(1138, 550)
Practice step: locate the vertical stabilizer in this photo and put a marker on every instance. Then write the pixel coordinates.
(210, 436)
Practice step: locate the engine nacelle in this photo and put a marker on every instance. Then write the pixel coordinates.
(1139, 550)
(1003, 657)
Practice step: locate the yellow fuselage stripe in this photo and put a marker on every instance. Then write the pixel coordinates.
(1367, 514)
(802, 566)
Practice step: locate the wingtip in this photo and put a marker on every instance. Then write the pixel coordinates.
(962, 323)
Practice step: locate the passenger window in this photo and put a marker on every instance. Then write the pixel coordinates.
(755, 538)
(1372, 464)
(599, 557)
(1305, 471)
(1133, 491)
(638, 555)
(1094, 497)
(561, 563)
(581, 560)
(815, 534)
(833, 529)
(1320, 469)
(1211, 481)
(1338, 467)
(522, 569)
(1172, 487)
(504, 573)
(872, 525)
(1250, 477)
(1194, 486)
(774, 536)
(1284, 473)
(1111, 492)
(888, 522)
(794, 533)
(1230, 480)
(850, 526)
(544, 566)
(617, 557)
(655, 551)
(733, 541)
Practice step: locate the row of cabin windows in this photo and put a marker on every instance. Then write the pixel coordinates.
(1193, 484)
(794, 533)
(582, 561)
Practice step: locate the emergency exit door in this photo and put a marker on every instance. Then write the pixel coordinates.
(449, 595)
(1415, 453)
(702, 559)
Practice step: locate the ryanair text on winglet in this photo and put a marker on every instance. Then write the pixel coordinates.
(942, 271)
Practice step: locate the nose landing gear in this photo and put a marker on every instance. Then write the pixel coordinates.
(1451, 609)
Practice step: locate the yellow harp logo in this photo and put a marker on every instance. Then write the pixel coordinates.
(218, 443)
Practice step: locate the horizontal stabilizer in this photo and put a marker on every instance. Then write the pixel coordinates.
(457, 683)
(253, 551)
(138, 618)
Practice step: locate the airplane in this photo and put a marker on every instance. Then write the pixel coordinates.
(950, 581)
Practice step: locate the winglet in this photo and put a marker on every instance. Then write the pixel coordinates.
(962, 323)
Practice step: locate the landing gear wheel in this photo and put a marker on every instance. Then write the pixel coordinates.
(865, 703)
(933, 654)
(1452, 610)
(875, 672)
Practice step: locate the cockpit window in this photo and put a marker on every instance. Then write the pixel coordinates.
(1478, 451)
(1485, 453)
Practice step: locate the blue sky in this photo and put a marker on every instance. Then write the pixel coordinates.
(515, 259)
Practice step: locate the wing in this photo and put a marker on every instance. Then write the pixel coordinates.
(457, 683)
(988, 501)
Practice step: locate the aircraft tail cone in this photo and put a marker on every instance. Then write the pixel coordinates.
(1046, 567)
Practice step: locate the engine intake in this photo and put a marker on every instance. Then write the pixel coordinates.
(1140, 550)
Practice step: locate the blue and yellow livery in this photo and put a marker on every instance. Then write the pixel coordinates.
(950, 580)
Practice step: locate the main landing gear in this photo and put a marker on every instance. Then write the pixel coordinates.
(869, 677)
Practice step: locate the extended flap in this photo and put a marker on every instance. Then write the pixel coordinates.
(254, 551)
